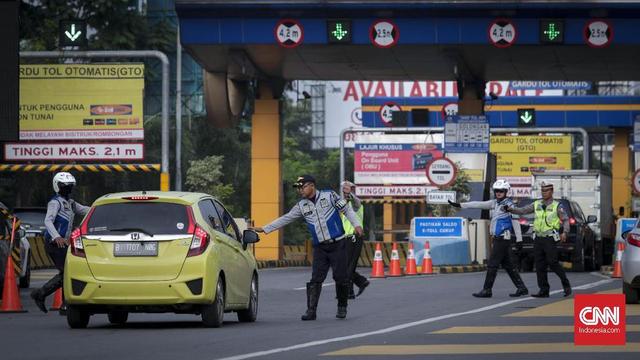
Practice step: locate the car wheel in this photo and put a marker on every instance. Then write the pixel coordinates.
(213, 314)
(630, 293)
(77, 318)
(118, 317)
(578, 260)
(251, 313)
(25, 281)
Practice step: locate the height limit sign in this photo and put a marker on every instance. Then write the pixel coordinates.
(441, 172)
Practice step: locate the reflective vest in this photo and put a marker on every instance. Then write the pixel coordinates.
(547, 220)
(346, 224)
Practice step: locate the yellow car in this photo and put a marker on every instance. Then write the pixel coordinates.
(155, 252)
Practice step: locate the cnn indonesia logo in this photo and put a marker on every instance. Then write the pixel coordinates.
(599, 319)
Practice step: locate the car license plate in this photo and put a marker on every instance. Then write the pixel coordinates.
(146, 248)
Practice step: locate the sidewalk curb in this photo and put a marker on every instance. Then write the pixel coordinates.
(267, 264)
(454, 269)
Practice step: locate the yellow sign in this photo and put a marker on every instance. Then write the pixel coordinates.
(81, 101)
(523, 164)
(530, 144)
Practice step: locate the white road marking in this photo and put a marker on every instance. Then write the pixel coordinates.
(323, 285)
(401, 326)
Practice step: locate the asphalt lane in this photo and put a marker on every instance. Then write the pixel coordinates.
(393, 317)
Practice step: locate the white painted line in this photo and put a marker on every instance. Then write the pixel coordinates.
(401, 326)
(323, 285)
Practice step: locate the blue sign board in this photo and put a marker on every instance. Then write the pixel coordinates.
(466, 134)
(438, 227)
(626, 225)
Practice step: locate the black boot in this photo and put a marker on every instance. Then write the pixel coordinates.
(342, 291)
(352, 294)
(39, 295)
(484, 293)
(313, 295)
(517, 281)
(362, 286)
(489, 279)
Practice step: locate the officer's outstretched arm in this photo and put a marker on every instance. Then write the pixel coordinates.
(521, 211)
(284, 220)
(488, 205)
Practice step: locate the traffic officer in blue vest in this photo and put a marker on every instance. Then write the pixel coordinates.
(502, 231)
(320, 210)
(354, 243)
(61, 211)
(550, 226)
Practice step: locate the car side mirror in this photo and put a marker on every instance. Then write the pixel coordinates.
(21, 232)
(591, 219)
(249, 237)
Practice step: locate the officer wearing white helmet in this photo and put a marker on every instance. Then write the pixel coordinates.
(61, 210)
(502, 231)
(550, 225)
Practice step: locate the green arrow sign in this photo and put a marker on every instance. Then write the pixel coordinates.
(72, 33)
(526, 117)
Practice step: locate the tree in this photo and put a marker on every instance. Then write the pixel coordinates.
(462, 189)
(205, 176)
(113, 24)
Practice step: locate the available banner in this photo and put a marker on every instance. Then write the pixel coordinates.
(71, 152)
(391, 163)
(81, 101)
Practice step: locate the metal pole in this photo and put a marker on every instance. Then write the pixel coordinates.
(164, 175)
(583, 132)
(178, 186)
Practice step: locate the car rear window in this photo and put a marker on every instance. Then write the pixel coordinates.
(31, 217)
(149, 217)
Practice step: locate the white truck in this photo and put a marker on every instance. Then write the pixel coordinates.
(591, 190)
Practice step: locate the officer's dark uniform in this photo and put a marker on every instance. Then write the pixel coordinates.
(354, 246)
(501, 233)
(549, 216)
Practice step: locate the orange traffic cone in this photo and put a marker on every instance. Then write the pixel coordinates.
(377, 270)
(10, 294)
(411, 268)
(394, 265)
(427, 263)
(617, 266)
(57, 300)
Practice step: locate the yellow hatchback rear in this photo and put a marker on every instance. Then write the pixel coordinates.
(160, 252)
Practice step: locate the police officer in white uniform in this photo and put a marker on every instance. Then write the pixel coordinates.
(502, 231)
(61, 211)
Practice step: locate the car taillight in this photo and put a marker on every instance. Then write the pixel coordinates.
(572, 221)
(633, 239)
(77, 248)
(140, 197)
(199, 242)
(523, 221)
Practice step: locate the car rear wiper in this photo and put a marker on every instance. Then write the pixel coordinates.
(140, 230)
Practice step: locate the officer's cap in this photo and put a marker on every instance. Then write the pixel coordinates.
(546, 184)
(303, 180)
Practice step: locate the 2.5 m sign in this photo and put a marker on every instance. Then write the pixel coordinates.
(70, 152)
